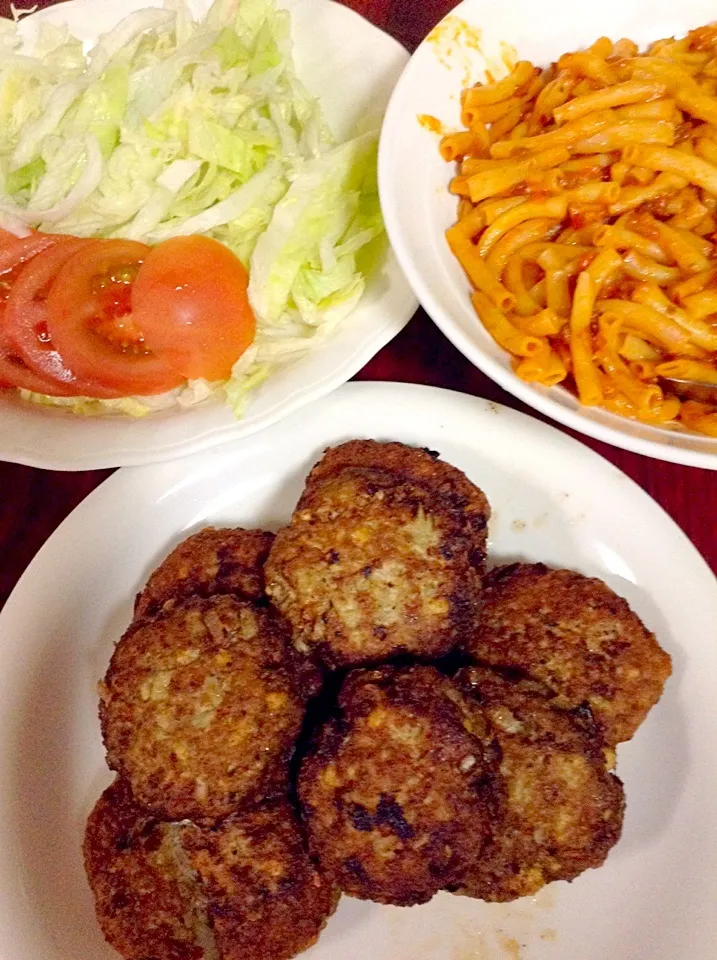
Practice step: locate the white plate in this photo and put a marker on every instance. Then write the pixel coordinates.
(553, 500)
(413, 179)
(352, 67)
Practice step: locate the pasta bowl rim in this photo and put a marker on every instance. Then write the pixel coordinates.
(413, 183)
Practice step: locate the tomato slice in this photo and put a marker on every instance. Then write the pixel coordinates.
(14, 372)
(90, 327)
(190, 301)
(15, 255)
(18, 251)
(25, 321)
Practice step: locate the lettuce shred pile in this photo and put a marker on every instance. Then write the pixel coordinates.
(170, 126)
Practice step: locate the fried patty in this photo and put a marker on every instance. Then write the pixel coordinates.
(399, 793)
(226, 560)
(579, 638)
(201, 707)
(417, 465)
(243, 890)
(563, 810)
(383, 556)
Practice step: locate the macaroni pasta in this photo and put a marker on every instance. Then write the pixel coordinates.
(588, 221)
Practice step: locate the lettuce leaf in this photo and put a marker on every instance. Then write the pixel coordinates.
(172, 125)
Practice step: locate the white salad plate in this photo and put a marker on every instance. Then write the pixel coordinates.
(351, 67)
(413, 178)
(552, 500)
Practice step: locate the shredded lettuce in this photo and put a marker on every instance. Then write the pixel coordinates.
(172, 126)
(130, 406)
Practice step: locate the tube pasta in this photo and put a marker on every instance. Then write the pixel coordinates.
(631, 197)
(594, 192)
(677, 247)
(557, 290)
(472, 222)
(640, 267)
(543, 324)
(514, 280)
(506, 334)
(603, 267)
(646, 397)
(702, 304)
(496, 111)
(656, 157)
(491, 182)
(620, 238)
(642, 369)
(701, 334)
(588, 64)
(554, 208)
(478, 272)
(587, 222)
(621, 135)
(492, 209)
(632, 91)
(654, 326)
(640, 352)
(700, 417)
(520, 76)
(688, 370)
(695, 284)
(455, 146)
(564, 136)
(544, 367)
(520, 236)
(655, 110)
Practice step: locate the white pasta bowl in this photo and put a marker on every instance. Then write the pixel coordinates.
(351, 66)
(413, 178)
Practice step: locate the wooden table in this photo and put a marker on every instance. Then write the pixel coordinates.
(34, 502)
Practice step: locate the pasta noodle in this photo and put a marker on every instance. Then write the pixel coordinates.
(520, 236)
(633, 91)
(478, 273)
(587, 223)
(553, 209)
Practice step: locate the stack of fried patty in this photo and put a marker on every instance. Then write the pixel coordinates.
(355, 706)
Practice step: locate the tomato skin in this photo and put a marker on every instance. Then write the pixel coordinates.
(19, 251)
(25, 318)
(15, 373)
(190, 301)
(74, 305)
(15, 256)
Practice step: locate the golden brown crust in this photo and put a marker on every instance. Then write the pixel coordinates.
(415, 465)
(399, 793)
(201, 707)
(563, 810)
(142, 901)
(224, 560)
(381, 558)
(574, 634)
(266, 900)
(243, 890)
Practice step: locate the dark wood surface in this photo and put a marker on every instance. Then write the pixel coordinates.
(34, 502)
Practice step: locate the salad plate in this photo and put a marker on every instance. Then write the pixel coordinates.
(653, 899)
(328, 41)
(475, 37)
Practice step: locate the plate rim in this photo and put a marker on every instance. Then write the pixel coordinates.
(394, 318)
(503, 376)
(550, 431)
(18, 612)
